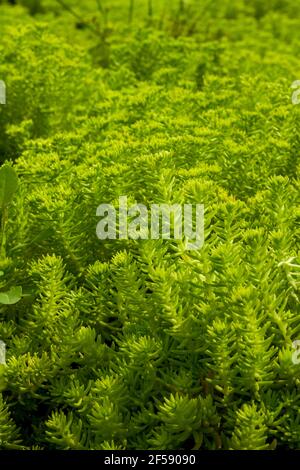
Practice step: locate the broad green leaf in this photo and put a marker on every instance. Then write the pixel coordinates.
(8, 184)
(12, 296)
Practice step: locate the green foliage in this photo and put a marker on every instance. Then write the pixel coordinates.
(183, 418)
(8, 187)
(123, 344)
(9, 435)
(250, 430)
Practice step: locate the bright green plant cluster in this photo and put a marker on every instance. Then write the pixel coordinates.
(124, 344)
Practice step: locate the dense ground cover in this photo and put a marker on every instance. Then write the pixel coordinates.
(124, 344)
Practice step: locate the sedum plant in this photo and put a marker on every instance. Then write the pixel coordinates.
(140, 344)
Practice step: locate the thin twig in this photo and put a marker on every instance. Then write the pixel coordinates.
(78, 17)
(100, 6)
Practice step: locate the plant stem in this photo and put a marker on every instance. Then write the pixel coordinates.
(162, 16)
(150, 8)
(131, 9)
(3, 232)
